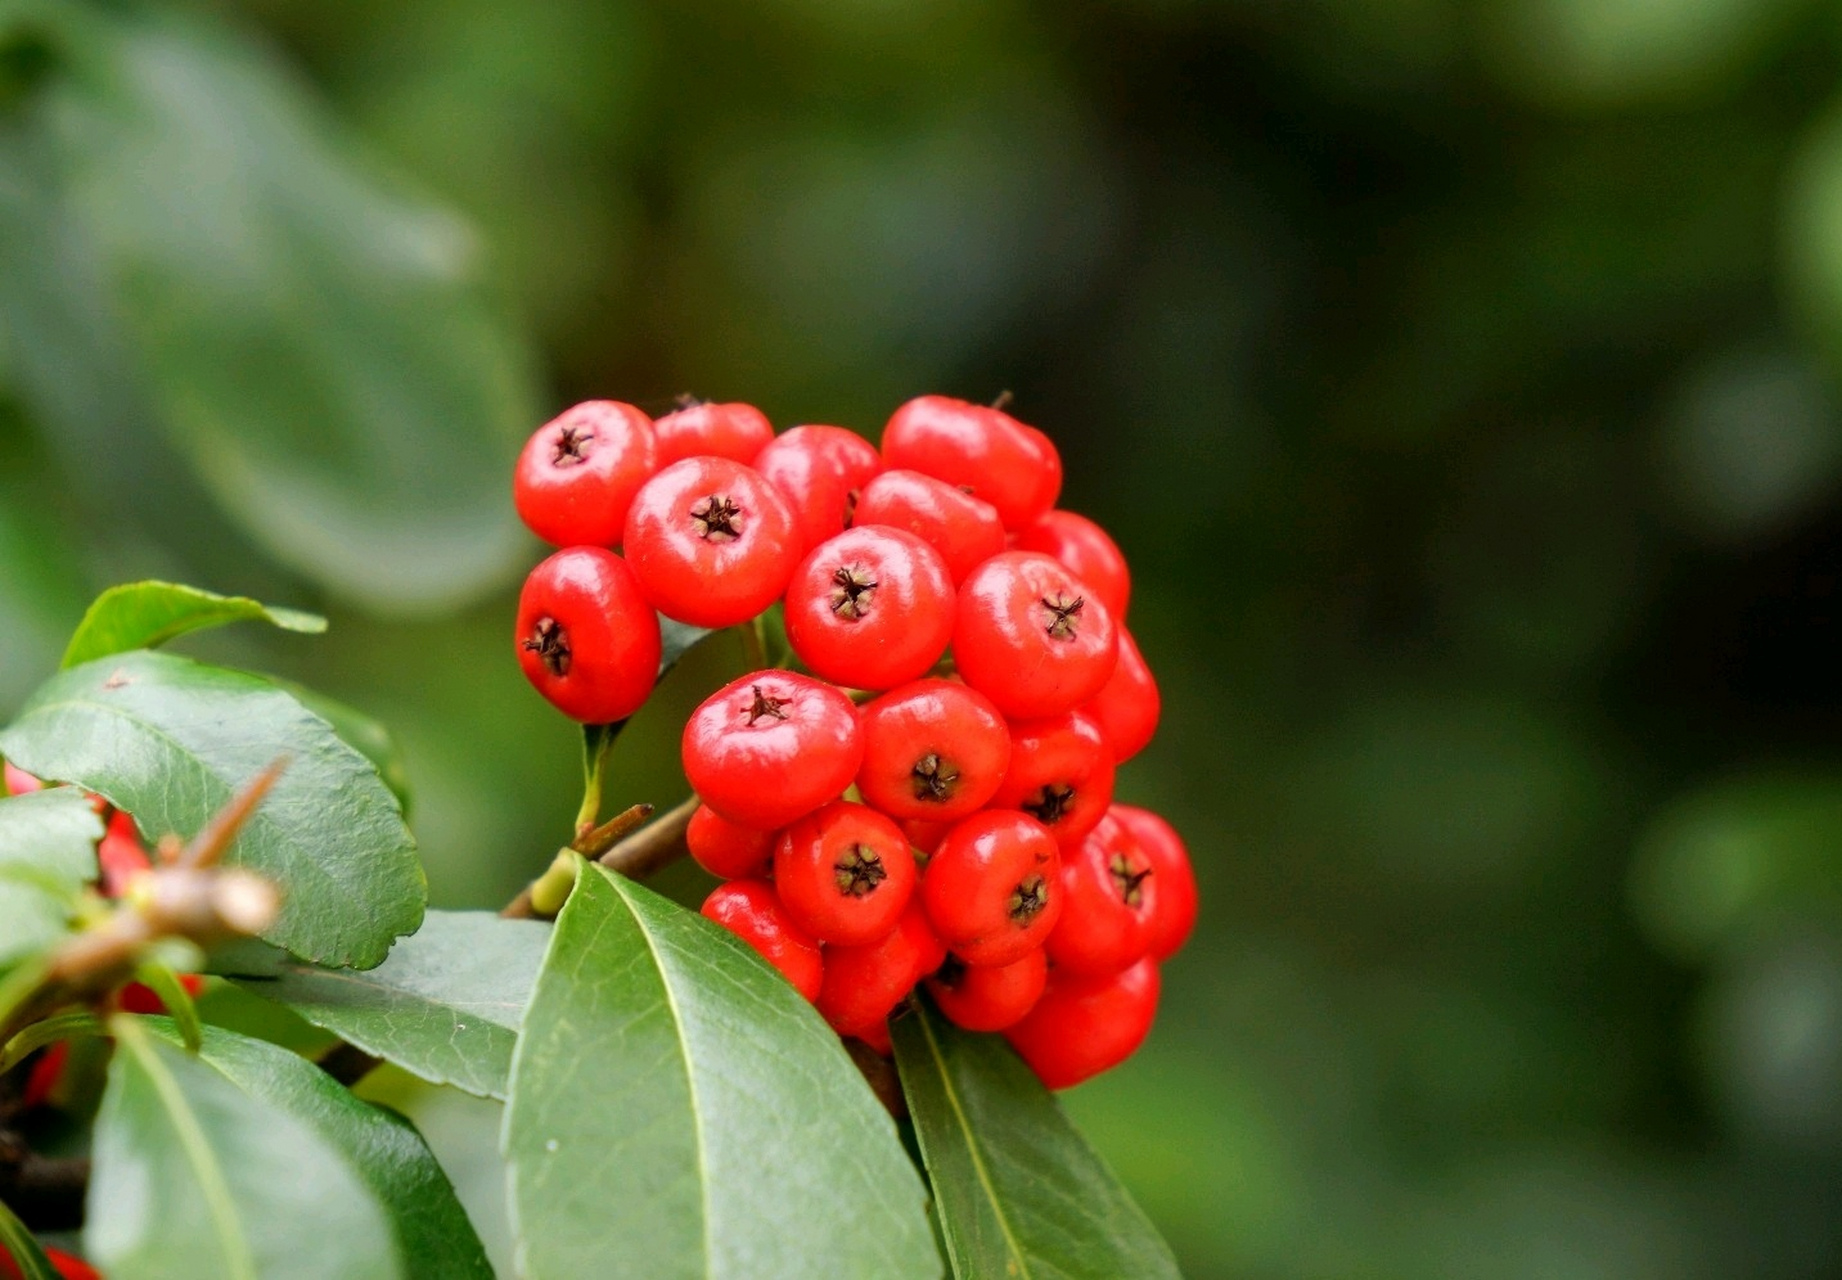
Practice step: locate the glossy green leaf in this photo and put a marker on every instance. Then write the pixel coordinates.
(316, 343)
(678, 1110)
(194, 1177)
(143, 615)
(1017, 1190)
(172, 740)
(435, 1241)
(53, 831)
(371, 738)
(446, 1005)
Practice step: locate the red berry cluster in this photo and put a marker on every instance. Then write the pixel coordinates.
(958, 828)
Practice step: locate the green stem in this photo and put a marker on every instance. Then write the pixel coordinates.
(39, 1034)
(23, 1246)
(178, 1001)
(597, 742)
(754, 643)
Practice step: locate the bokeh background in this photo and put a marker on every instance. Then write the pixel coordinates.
(1461, 377)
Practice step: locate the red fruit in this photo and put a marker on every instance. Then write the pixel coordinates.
(1109, 899)
(870, 608)
(819, 470)
(925, 836)
(771, 747)
(1083, 1025)
(1128, 705)
(984, 451)
(579, 471)
(877, 1037)
(989, 997)
(749, 909)
(704, 430)
(1029, 637)
(1085, 550)
(1173, 912)
(1061, 774)
(862, 984)
(965, 530)
(137, 997)
(42, 1080)
(18, 781)
(991, 888)
(725, 849)
(933, 750)
(120, 855)
(845, 873)
(587, 639)
(67, 1265)
(712, 541)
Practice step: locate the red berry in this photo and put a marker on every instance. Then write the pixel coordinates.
(771, 747)
(47, 1072)
(138, 997)
(877, 1037)
(18, 781)
(1061, 774)
(750, 910)
(712, 541)
(725, 849)
(845, 873)
(580, 470)
(1084, 1025)
(67, 1265)
(1087, 551)
(989, 997)
(991, 888)
(862, 984)
(933, 750)
(703, 430)
(965, 530)
(1029, 637)
(120, 855)
(1173, 913)
(926, 836)
(870, 608)
(587, 639)
(984, 451)
(1109, 899)
(819, 470)
(1128, 705)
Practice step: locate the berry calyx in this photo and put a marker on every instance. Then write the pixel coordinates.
(820, 471)
(1173, 912)
(990, 888)
(871, 608)
(933, 751)
(712, 542)
(1029, 637)
(1110, 895)
(577, 474)
(1083, 1025)
(1087, 551)
(845, 873)
(771, 747)
(751, 910)
(1061, 774)
(586, 637)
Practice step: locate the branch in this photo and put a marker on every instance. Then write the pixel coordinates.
(45, 1191)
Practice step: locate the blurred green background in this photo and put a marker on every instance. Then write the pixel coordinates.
(1461, 377)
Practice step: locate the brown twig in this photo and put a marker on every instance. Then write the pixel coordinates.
(46, 1192)
(637, 856)
(590, 844)
(652, 848)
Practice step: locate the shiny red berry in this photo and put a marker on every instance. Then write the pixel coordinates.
(989, 997)
(42, 1081)
(750, 910)
(704, 430)
(991, 888)
(820, 471)
(1173, 914)
(579, 471)
(845, 873)
(984, 451)
(1061, 774)
(965, 530)
(1085, 1025)
(771, 747)
(713, 543)
(926, 836)
(1087, 551)
(1110, 896)
(1028, 636)
(933, 751)
(1128, 704)
(862, 984)
(870, 609)
(726, 850)
(587, 638)
(120, 855)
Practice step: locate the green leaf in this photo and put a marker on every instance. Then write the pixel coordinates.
(172, 740)
(678, 1110)
(369, 737)
(445, 1006)
(53, 831)
(676, 640)
(193, 1177)
(318, 344)
(19, 1244)
(435, 1241)
(1017, 1190)
(144, 615)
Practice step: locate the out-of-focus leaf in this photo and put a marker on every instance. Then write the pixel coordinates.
(371, 738)
(143, 615)
(314, 342)
(47, 852)
(17, 1243)
(194, 1177)
(678, 1110)
(1017, 1190)
(445, 1005)
(433, 1235)
(171, 741)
